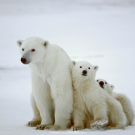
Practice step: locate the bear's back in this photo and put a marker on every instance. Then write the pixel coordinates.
(61, 57)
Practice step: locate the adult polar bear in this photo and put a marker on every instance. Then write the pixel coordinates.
(52, 94)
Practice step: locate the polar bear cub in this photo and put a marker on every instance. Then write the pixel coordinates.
(122, 98)
(52, 93)
(92, 105)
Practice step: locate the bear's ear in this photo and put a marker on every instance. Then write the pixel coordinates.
(19, 42)
(74, 62)
(95, 68)
(46, 43)
(112, 87)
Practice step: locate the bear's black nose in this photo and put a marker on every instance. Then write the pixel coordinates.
(84, 72)
(23, 60)
(101, 83)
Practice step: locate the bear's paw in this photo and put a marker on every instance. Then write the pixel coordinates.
(52, 127)
(76, 128)
(99, 124)
(41, 127)
(33, 123)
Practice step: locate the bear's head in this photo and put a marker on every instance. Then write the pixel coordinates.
(84, 70)
(105, 86)
(32, 49)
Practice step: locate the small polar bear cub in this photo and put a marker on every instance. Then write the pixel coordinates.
(88, 102)
(105, 85)
(93, 107)
(52, 93)
(122, 98)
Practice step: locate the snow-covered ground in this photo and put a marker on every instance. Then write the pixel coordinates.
(99, 31)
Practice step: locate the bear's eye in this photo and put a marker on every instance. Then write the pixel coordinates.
(33, 50)
(22, 49)
(88, 67)
(97, 80)
(105, 82)
(80, 66)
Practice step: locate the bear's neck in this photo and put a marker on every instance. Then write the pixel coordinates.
(83, 84)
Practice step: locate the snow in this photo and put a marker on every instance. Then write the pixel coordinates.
(99, 31)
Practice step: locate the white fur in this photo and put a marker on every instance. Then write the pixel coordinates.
(122, 98)
(92, 105)
(52, 94)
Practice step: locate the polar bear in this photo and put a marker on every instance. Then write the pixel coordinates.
(52, 93)
(122, 98)
(93, 107)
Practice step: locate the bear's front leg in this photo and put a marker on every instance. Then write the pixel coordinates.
(62, 93)
(63, 110)
(43, 100)
(100, 116)
(79, 119)
(36, 118)
(79, 115)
